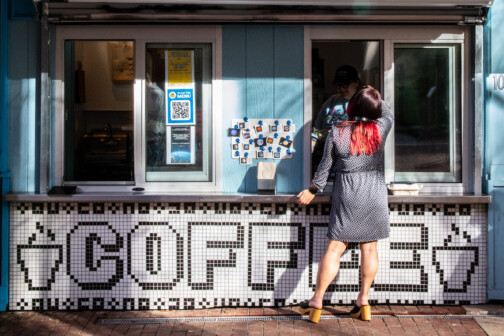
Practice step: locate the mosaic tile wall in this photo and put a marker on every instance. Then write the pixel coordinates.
(199, 255)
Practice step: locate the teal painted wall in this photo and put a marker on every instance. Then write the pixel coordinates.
(19, 96)
(4, 170)
(262, 70)
(23, 104)
(494, 154)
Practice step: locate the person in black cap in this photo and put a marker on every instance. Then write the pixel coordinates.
(333, 111)
(347, 83)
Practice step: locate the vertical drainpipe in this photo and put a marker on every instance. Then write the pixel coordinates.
(479, 93)
(4, 172)
(487, 51)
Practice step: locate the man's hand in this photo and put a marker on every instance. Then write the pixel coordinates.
(305, 197)
(313, 144)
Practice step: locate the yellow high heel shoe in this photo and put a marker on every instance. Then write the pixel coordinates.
(364, 312)
(314, 313)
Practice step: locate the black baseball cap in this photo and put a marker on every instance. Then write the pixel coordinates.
(345, 75)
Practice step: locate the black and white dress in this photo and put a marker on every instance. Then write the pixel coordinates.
(359, 211)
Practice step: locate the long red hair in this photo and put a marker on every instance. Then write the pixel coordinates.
(363, 110)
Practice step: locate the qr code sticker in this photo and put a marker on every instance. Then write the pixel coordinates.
(180, 110)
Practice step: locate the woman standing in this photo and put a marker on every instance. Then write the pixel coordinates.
(359, 211)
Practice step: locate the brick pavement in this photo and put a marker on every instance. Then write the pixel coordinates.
(84, 323)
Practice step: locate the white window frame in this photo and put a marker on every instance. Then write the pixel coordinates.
(141, 36)
(408, 34)
(453, 175)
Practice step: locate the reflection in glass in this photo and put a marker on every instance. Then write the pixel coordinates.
(99, 111)
(177, 112)
(427, 130)
(327, 57)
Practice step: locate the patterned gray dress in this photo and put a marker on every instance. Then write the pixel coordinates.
(359, 211)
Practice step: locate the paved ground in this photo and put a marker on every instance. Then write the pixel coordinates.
(85, 323)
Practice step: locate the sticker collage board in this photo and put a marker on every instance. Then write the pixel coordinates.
(261, 139)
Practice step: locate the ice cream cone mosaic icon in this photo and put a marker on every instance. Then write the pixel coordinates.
(40, 259)
(455, 272)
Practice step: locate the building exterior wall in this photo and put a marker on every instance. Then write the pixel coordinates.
(19, 73)
(141, 255)
(23, 104)
(200, 255)
(494, 156)
(4, 173)
(262, 70)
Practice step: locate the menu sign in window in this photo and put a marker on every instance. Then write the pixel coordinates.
(179, 145)
(180, 108)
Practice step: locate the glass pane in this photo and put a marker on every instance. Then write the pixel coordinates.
(177, 112)
(99, 111)
(329, 98)
(427, 128)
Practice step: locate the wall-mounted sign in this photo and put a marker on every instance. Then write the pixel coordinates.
(496, 82)
(261, 139)
(121, 57)
(180, 145)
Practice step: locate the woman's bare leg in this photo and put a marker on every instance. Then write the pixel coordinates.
(328, 269)
(368, 269)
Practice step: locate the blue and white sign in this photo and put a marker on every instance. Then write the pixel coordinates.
(180, 145)
(180, 106)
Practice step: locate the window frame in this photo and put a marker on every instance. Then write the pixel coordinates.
(141, 36)
(206, 125)
(406, 34)
(455, 97)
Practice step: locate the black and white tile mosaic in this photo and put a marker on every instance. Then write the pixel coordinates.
(115, 256)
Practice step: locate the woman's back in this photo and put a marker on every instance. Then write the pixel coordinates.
(359, 211)
(346, 162)
(337, 151)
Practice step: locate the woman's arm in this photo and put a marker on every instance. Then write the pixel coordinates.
(325, 165)
(386, 120)
(320, 179)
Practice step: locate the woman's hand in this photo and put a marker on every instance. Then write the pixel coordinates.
(305, 197)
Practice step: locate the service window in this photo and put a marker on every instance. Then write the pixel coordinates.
(136, 114)
(424, 74)
(427, 112)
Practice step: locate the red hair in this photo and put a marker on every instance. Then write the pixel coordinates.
(363, 110)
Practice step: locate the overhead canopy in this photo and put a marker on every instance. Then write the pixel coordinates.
(339, 3)
(309, 11)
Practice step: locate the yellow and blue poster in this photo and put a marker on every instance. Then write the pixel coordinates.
(180, 107)
(180, 67)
